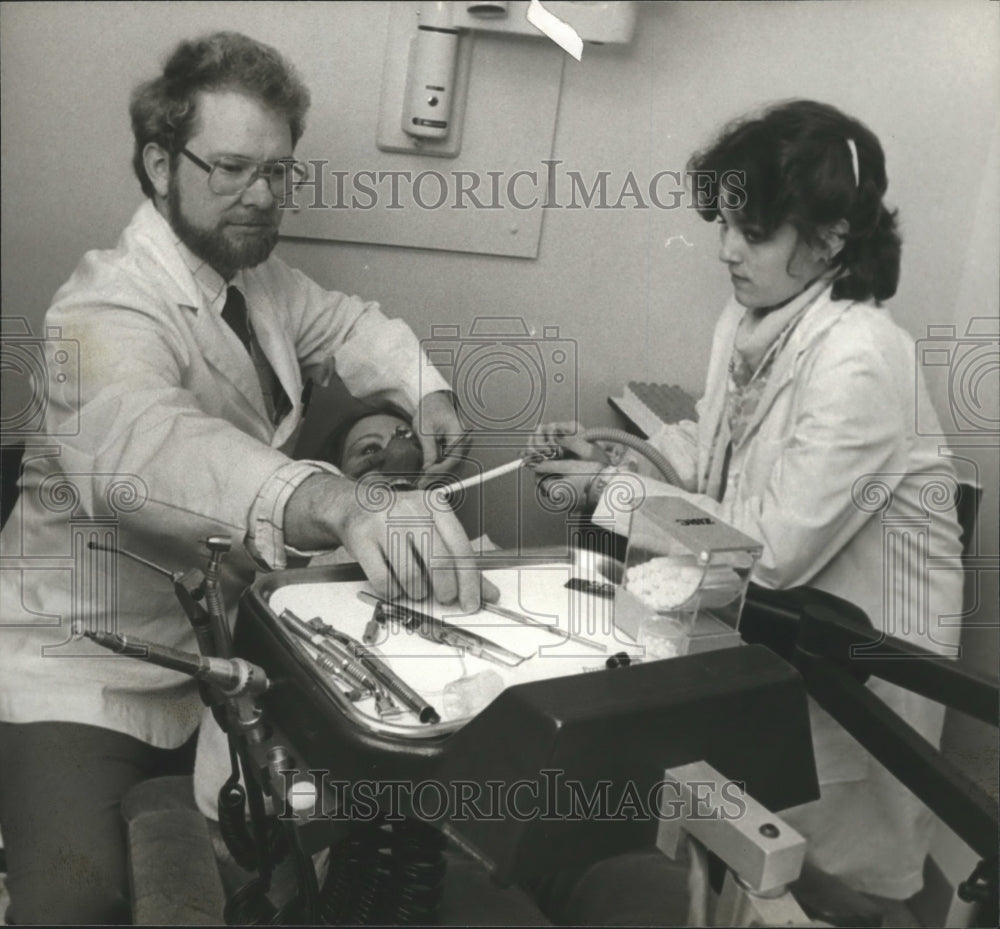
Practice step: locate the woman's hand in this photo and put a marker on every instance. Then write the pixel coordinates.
(562, 440)
(565, 464)
(565, 483)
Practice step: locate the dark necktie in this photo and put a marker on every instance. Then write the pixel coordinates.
(235, 315)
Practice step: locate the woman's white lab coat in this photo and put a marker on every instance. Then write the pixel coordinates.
(833, 477)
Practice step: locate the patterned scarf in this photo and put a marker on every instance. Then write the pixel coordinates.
(758, 342)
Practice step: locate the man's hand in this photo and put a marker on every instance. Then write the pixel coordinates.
(404, 543)
(442, 438)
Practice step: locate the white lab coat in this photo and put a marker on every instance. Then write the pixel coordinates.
(832, 476)
(162, 440)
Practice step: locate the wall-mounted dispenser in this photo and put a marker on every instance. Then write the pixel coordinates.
(429, 54)
(430, 77)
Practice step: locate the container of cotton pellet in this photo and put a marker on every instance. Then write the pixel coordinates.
(681, 565)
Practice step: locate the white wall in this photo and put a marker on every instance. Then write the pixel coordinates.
(922, 73)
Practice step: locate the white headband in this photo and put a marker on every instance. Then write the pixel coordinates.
(854, 162)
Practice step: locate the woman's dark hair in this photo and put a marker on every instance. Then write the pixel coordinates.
(163, 110)
(794, 163)
(332, 447)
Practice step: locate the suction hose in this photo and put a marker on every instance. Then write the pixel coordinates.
(644, 448)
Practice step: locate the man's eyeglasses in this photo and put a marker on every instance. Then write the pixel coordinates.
(231, 174)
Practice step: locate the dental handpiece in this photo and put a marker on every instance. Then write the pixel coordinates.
(438, 630)
(233, 676)
(388, 678)
(339, 663)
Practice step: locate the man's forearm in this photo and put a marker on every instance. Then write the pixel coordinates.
(317, 512)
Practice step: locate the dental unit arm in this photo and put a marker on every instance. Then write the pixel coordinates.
(231, 688)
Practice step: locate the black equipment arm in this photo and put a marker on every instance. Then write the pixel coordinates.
(835, 648)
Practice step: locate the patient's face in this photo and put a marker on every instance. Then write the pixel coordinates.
(381, 442)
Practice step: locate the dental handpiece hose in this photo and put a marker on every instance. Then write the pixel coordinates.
(233, 676)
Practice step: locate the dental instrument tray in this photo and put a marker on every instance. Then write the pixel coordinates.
(359, 700)
(399, 665)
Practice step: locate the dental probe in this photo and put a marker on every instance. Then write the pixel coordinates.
(531, 621)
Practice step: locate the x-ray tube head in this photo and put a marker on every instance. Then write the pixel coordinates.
(430, 80)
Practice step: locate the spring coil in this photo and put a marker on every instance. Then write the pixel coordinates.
(373, 863)
(335, 894)
(352, 673)
(384, 873)
(418, 852)
(356, 873)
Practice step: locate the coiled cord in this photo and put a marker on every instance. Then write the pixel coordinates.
(233, 826)
(232, 817)
(257, 849)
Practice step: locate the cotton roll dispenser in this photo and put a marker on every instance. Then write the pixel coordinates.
(685, 579)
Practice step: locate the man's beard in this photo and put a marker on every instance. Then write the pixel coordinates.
(225, 254)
